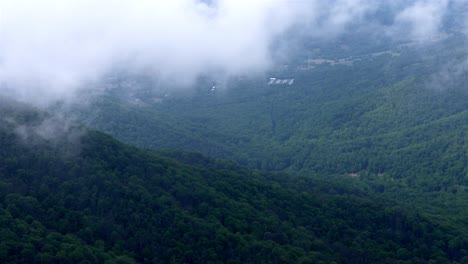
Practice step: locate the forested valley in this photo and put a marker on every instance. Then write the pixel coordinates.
(85, 197)
(218, 132)
(393, 121)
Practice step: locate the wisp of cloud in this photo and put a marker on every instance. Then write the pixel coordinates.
(50, 49)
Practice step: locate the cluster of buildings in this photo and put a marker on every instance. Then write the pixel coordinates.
(274, 81)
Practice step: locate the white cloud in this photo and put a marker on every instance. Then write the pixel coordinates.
(423, 19)
(49, 48)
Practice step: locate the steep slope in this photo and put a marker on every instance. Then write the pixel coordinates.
(91, 198)
(333, 119)
(397, 118)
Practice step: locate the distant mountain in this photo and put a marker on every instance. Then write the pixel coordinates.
(394, 115)
(352, 114)
(90, 198)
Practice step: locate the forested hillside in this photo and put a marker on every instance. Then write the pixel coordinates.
(395, 118)
(367, 117)
(223, 131)
(91, 198)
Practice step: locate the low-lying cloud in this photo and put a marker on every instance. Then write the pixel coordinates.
(49, 49)
(423, 19)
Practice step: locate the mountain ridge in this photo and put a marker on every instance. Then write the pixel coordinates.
(114, 203)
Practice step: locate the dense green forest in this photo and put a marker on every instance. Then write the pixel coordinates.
(83, 197)
(349, 149)
(395, 116)
(371, 117)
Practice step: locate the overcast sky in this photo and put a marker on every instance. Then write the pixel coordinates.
(49, 48)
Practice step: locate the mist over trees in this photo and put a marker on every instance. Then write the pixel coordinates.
(51, 51)
(270, 131)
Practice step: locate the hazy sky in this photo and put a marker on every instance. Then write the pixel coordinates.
(49, 48)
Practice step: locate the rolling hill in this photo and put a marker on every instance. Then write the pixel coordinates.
(83, 196)
(395, 118)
